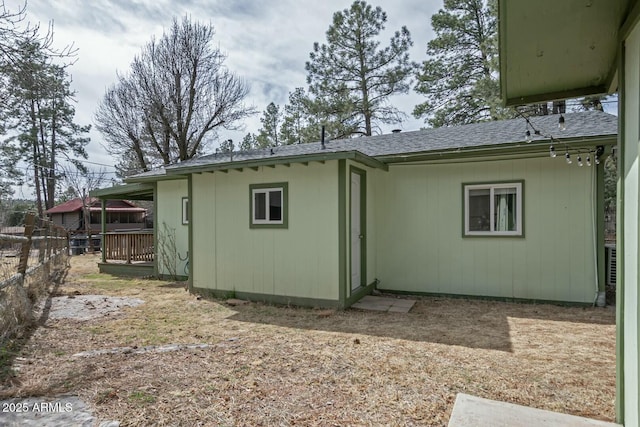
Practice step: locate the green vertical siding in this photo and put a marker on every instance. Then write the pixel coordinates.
(629, 218)
(421, 247)
(300, 261)
(169, 212)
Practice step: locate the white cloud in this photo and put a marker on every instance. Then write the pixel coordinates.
(267, 42)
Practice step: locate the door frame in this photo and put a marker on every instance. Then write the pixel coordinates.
(363, 228)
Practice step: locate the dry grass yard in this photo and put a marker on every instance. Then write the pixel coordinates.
(268, 365)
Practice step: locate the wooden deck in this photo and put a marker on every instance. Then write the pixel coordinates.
(129, 246)
(128, 254)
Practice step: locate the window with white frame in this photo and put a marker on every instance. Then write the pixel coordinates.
(493, 209)
(268, 205)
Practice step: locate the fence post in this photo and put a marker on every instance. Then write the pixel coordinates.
(49, 234)
(47, 247)
(103, 229)
(29, 221)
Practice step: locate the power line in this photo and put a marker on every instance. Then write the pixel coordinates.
(30, 166)
(98, 164)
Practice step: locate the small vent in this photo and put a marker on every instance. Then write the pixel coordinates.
(611, 264)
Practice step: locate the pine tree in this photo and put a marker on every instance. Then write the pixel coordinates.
(248, 142)
(269, 133)
(41, 114)
(460, 78)
(352, 76)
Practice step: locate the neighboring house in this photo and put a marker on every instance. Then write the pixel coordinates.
(120, 215)
(472, 210)
(593, 47)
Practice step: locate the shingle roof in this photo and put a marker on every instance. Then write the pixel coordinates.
(579, 126)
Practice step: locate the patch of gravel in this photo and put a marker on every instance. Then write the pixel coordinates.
(87, 307)
(62, 411)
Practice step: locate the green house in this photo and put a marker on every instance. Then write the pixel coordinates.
(475, 210)
(554, 50)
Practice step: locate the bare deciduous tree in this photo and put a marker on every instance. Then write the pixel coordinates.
(79, 182)
(16, 32)
(177, 93)
(121, 124)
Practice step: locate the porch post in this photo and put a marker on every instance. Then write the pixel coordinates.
(103, 229)
(600, 250)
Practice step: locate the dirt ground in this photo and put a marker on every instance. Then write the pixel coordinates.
(264, 365)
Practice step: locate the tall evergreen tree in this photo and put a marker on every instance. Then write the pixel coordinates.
(269, 133)
(460, 78)
(248, 142)
(17, 38)
(295, 120)
(352, 76)
(41, 114)
(304, 118)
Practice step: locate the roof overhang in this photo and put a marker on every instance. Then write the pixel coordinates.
(537, 148)
(153, 178)
(123, 210)
(553, 49)
(137, 191)
(284, 160)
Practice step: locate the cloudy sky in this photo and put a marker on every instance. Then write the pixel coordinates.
(267, 43)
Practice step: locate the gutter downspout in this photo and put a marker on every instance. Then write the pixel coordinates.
(596, 218)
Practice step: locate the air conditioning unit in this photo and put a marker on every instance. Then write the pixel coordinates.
(610, 260)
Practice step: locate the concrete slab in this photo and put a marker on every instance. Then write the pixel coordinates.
(49, 412)
(392, 305)
(472, 411)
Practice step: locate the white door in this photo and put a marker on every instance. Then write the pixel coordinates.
(356, 236)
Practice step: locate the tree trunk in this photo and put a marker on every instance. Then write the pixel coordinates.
(35, 158)
(51, 175)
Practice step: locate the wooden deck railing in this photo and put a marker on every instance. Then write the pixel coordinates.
(129, 246)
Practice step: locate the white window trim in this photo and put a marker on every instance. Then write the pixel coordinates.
(185, 210)
(492, 188)
(266, 191)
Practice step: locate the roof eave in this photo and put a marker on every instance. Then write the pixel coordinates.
(514, 150)
(580, 61)
(566, 94)
(281, 160)
(153, 178)
(134, 191)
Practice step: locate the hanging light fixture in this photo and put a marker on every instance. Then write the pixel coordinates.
(579, 160)
(561, 125)
(552, 151)
(599, 152)
(588, 160)
(527, 136)
(567, 157)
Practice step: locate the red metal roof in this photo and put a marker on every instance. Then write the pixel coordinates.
(70, 206)
(94, 204)
(99, 209)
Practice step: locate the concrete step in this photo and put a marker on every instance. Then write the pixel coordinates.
(471, 411)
